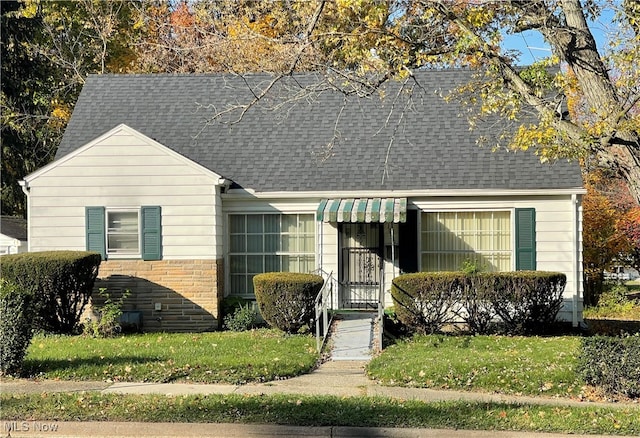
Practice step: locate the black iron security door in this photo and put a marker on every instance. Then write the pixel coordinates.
(360, 265)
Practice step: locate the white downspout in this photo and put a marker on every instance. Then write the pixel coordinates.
(24, 185)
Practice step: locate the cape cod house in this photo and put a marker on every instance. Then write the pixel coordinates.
(188, 193)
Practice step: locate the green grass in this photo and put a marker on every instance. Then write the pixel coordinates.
(615, 304)
(320, 411)
(220, 357)
(510, 365)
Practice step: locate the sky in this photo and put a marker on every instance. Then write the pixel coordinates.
(533, 47)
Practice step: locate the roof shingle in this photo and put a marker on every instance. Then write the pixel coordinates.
(330, 142)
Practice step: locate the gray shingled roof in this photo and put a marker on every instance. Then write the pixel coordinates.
(285, 149)
(13, 226)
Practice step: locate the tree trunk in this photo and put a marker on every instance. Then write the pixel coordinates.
(577, 47)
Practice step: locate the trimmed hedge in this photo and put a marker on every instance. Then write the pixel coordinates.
(286, 299)
(524, 301)
(426, 302)
(611, 363)
(61, 281)
(16, 325)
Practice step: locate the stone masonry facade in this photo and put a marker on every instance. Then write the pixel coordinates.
(172, 295)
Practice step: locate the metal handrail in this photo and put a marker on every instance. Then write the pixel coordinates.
(322, 301)
(381, 311)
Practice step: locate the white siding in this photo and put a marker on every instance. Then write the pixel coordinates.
(555, 231)
(126, 169)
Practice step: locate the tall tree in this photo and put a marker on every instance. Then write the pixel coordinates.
(359, 44)
(48, 49)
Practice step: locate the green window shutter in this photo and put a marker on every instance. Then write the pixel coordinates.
(151, 233)
(95, 231)
(525, 239)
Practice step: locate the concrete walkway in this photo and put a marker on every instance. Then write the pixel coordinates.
(339, 378)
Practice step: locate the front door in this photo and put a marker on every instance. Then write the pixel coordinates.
(360, 264)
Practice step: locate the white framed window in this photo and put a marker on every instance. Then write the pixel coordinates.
(261, 243)
(448, 239)
(123, 232)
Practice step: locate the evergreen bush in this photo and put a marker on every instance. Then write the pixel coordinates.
(286, 299)
(16, 325)
(527, 302)
(611, 363)
(426, 301)
(524, 302)
(61, 282)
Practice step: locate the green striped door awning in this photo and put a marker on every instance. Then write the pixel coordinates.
(362, 210)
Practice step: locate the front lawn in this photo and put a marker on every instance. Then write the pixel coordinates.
(306, 410)
(511, 365)
(218, 357)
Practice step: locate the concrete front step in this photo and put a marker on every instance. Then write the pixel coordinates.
(353, 336)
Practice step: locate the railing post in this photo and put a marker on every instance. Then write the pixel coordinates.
(381, 311)
(321, 311)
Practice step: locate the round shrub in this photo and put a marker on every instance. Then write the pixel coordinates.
(61, 281)
(286, 299)
(16, 321)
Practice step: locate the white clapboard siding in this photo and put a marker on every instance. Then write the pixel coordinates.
(125, 169)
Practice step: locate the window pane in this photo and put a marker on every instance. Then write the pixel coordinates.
(307, 263)
(237, 223)
(271, 243)
(238, 284)
(238, 264)
(125, 221)
(306, 243)
(289, 223)
(307, 223)
(237, 243)
(254, 243)
(288, 243)
(288, 263)
(272, 263)
(271, 223)
(123, 243)
(254, 223)
(255, 264)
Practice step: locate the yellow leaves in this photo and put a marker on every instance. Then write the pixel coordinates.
(480, 17)
(533, 135)
(29, 8)
(60, 115)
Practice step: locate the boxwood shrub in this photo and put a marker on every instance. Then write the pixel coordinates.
(611, 363)
(16, 325)
(61, 282)
(522, 302)
(286, 299)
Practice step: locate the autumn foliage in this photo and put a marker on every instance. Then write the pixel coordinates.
(611, 230)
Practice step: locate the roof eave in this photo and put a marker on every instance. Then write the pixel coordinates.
(250, 194)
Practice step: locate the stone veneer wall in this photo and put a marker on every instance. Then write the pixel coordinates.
(189, 291)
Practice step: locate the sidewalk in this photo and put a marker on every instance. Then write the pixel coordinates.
(339, 378)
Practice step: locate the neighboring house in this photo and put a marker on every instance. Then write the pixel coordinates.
(186, 207)
(13, 235)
